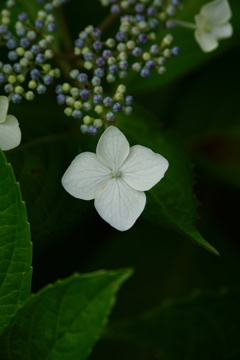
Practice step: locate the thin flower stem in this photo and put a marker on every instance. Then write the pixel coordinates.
(185, 24)
(107, 21)
(65, 34)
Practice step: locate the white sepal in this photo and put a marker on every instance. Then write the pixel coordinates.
(113, 147)
(143, 168)
(85, 176)
(119, 205)
(3, 108)
(10, 134)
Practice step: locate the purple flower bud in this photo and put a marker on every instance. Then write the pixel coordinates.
(92, 130)
(152, 11)
(143, 38)
(40, 58)
(41, 89)
(77, 114)
(97, 99)
(120, 36)
(58, 89)
(17, 68)
(35, 49)
(51, 27)
(150, 64)
(110, 116)
(96, 33)
(2, 78)
(83, 78)
(106, 54)
(39, 23)
(97, 45)
(84, 94)
(24, 42)
(99, 72)
(3, 29)
(145, 73)
(153, 23)
(170, 24)
(108, 101)
(113, 69)
(35, 74)
(89, 56)
(137, 51)
(100, 61)
(139, 8)
(79, 43)
(22, 16)
(128, 100)
(12, 55)
(140, 17)
(21, 31)
(61, 99)
(115, 9)
(48, 79)
(123, 65)
(11, 44)
(16, 98)
(117, 107)
(175, 51)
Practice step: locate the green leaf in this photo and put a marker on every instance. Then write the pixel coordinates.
(39, 169)
(49, 145)
(15, 246)
(202, 326)
(171, 202)
(64, 320)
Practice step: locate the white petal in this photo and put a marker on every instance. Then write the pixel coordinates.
(112, 148)
(10, 134)
(206, 41)
(218, 11)
(3, 108)
(119, 204)
(85, 176)
(143, 168)
(222, 31)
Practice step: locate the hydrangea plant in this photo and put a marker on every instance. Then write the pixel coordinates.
(102, 109)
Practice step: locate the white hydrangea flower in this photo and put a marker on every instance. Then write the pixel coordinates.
(115, 177)
(212, 24)
(10, 134)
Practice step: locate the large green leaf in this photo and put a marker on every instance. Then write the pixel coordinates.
(171, 202)
(15, 246)
(39, 169)
(64, 320)
(203, 326)
(49, 145)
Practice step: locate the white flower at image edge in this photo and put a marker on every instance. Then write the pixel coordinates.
(212, 24)
(10, 134)
(116, 177)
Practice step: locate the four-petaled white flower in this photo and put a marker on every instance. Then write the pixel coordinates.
(212, 24)
(10, 134)
(116, 177)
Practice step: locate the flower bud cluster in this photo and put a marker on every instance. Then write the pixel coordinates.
(87, 102)
(136, 45)
(149, 7)
(26, 68)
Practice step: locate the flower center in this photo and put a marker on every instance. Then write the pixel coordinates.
(207, 27)
(116, 173)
